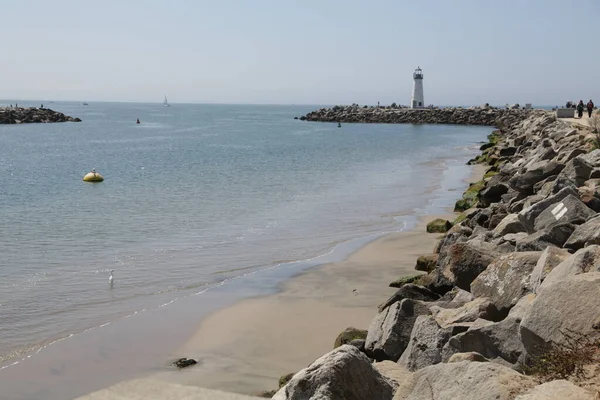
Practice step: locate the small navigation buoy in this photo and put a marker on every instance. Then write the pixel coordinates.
(339, 124)
(93, 176)
(138, 121)
(110, 278)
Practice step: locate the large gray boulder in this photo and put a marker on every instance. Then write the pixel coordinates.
(577, 170)
(495, 341)
(583, 261)
(465, 261)
(464, 380)
(556, 235)
(426, 342)
(585, 235)
(389, 332)
(342, 374)
(524, 182)
(509, 224)
(506, 279)
(529, 214)
(570, 304)
(557, 390)
(549, 259)
(569, 210)
(462, 316)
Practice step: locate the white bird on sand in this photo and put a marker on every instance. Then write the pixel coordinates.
(110, 278)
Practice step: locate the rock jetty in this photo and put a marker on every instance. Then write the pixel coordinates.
(509, 306)
(482, 115)
(19, 115)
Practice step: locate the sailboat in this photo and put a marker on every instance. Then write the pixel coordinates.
(166, 104)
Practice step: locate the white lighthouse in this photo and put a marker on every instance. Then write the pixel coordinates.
(417, 100)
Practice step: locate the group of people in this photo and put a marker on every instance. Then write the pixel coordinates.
(589, 106)
(580, 107)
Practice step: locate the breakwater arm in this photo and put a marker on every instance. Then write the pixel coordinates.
(20, 115)
(483, 115)
(510, 305)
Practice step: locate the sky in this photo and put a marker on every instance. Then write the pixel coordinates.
(543, 52)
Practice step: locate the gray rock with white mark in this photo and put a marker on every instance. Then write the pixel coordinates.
(569, 210)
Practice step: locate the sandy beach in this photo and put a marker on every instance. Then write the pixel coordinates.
(247, 347)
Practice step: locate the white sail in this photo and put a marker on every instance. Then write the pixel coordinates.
(165, 102)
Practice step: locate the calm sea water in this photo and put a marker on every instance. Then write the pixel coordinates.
(193, 196)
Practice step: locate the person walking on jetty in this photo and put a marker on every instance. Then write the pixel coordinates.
(580, 109)
(590, 108)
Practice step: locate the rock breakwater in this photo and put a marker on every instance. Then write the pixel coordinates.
(482, 115)
(19, 115)
(510, 305)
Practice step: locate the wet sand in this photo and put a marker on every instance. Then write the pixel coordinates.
(246, 347)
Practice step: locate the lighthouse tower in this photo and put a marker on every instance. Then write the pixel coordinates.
(417, 100)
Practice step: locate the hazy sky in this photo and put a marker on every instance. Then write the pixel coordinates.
(301, 51)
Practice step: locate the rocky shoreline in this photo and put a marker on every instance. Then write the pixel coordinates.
(20, 115)
(482, 115)
(509, 305)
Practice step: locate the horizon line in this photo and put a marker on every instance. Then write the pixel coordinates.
(80, 102)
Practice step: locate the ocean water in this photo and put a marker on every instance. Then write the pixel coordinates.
(194, 197)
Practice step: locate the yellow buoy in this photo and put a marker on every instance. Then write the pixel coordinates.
(93, 177)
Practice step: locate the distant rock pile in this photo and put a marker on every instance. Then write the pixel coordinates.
(482, 115)
(510, 306)
(19, 115)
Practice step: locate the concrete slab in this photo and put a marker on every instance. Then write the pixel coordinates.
(565, 112)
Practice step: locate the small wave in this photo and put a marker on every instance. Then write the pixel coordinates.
(168, 302)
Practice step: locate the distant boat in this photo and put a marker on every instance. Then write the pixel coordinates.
(85, 104)
(166, 104)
